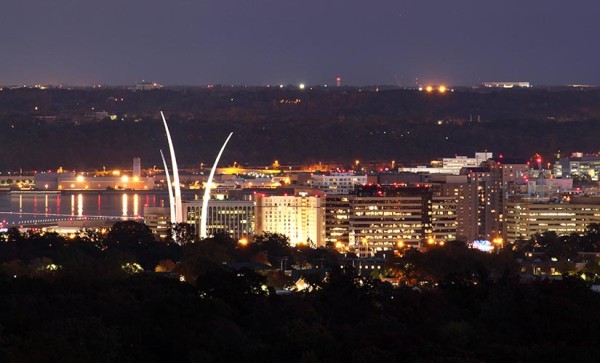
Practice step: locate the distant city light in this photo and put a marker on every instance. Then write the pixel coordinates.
(302, 86)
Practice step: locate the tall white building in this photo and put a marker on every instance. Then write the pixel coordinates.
(301, 217)
(337, 183)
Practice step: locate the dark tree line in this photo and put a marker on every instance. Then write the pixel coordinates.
(336, 125)
(89, 308)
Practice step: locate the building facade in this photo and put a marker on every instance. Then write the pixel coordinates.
(337, 183)
(526, 217)
(384, 217)
(236, 218)
(158, 219)
(300, 217)
(578, 165)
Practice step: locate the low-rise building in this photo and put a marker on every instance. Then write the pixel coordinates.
(158, 219)
(526, 217)
(337, 183)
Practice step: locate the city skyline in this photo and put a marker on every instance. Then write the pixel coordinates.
(396, 181)
(192, 43)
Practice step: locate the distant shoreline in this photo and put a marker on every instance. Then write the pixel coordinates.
(70, 192)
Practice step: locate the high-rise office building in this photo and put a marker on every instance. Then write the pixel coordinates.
(383, 217)
(526, 217)
(300, 217)
(236, 218)
(337, 218)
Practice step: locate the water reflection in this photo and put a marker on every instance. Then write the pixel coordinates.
(136, 202)
(124, 210)
(80, 205)
(21, 207)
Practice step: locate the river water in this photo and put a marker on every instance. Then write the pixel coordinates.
(19, 209)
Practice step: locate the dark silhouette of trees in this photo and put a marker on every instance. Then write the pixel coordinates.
(343, 125)
(90, 309)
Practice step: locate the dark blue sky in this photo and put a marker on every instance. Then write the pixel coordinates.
(459, 42)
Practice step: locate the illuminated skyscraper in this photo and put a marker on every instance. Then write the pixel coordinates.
(298, 217)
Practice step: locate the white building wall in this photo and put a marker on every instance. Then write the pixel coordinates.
(300, 218)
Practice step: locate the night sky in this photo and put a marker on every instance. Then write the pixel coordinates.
(259, 42)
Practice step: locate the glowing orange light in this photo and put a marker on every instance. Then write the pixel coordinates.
(442, 89)
(429, 89)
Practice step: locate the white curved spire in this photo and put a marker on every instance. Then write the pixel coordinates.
(169, 188)
(207, 189)
(176, 184)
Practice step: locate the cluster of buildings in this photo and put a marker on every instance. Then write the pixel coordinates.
(355, 211)
(470, 199)
(467, 198)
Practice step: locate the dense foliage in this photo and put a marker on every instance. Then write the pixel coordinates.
(92, 306)
(327, 125)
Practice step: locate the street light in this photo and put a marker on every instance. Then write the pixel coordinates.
(366, 243)
(499, 242)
